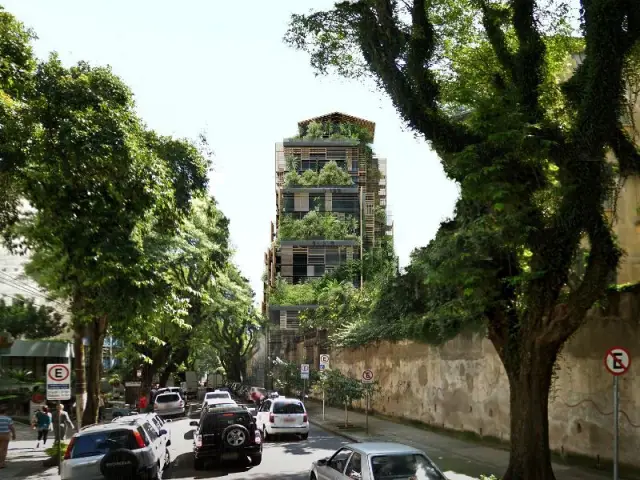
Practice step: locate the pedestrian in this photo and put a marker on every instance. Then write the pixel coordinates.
(7, 433)
(154, 393)
(142, 403)
(42, 423)
(61, 421)
(101, 407)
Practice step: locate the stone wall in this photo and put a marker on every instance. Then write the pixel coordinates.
(462, 384)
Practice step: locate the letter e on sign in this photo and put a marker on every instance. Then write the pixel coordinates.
(617, 361)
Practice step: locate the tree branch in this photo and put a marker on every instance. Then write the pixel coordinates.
(626, 152)
(492, 21)
(414, 90)
(529, 66)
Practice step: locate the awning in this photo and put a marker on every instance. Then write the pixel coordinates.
(40, 349)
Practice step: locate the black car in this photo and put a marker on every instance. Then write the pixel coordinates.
(227, 432)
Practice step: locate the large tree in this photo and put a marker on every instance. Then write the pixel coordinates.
(486, 83)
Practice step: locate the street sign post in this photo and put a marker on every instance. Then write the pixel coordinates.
(58, 389)
(617, 362)
(58, 382)
(324, 362)
(304, 375)
(367, 378)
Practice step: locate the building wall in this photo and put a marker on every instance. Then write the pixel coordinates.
(462, 385)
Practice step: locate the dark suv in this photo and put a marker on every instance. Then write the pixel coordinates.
(226, 432)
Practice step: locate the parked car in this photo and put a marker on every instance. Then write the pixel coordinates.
(225, 432)
(168, 404)
(217, 397)
(376, 461)
(283, 416)
(126, 448)
(155, 420)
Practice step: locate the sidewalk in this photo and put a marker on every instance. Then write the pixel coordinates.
(459, 459)
(24, 461)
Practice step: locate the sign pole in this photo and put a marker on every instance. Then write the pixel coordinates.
(366, 411)
(616, 426)
(617, 362)
(59, 440)
(323, 404)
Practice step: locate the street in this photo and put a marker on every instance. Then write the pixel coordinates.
(288, 459)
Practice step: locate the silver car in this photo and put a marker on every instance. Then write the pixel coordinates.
(127, 448)
(376, 461)
(167, 404)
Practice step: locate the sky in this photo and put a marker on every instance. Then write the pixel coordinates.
(221, 68)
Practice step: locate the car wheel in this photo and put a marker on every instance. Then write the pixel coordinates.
(312, 477)
(235, 435)
(304, 436)
(256, 460)
(198, 463)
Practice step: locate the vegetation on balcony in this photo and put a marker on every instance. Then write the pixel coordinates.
(336, 131)
(330, 175)
(283, 293)
(316, 225)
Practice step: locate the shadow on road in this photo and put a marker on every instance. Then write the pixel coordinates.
(182, 467)
(319, 440)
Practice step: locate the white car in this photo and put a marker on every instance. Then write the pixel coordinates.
(126, 448)
(167, 404)
(217, 397)
(283, 416)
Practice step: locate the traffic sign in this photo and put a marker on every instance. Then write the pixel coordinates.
(304, 371)
(324, 361)
(367, 376)
(58, 381)
(617, 361)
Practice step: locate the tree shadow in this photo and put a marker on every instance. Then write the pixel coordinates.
(318, 440)
(182, 467)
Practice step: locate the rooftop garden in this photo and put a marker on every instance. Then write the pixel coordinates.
(284, 293)
(348, 131)
(316, 225)
(331, 174)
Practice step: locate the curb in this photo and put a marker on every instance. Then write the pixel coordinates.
(335, 431)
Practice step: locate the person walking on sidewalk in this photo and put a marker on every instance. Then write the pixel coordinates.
(101, 407)
(7, 433)
(42, 423)
(61, 421)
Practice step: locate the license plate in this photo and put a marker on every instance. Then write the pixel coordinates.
(289, 420)
(230, 456)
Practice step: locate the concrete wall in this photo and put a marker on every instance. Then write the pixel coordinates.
(462, 385)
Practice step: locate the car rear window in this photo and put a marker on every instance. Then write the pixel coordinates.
(388, 467)
(286, 407)
(100, 443)
(168, 397)
(214, 421)
(217, 395)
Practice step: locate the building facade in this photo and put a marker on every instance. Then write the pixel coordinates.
(331, 208)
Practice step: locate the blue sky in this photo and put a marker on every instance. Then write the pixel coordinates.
(221, 68)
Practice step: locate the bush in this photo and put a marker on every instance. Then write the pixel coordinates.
(330, 175)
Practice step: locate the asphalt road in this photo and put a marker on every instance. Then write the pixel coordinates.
(287, 459)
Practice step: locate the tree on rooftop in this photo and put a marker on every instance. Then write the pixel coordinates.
(488, 84)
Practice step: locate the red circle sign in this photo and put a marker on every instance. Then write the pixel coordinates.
(617, 361)
(58, 373)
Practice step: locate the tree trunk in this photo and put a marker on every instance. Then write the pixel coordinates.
(97, 331)
(529, 383)
(78, 366)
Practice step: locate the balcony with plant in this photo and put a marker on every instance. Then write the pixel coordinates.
(316, 225)
(335, 131)
(329, 175)
(283, 293)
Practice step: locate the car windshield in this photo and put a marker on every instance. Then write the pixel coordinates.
(213, 395)
(99, 443)
(415, 466)
(282, 407)
(169, 397)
